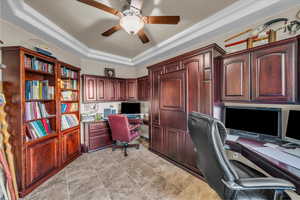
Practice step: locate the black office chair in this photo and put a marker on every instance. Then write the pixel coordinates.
(232, 180)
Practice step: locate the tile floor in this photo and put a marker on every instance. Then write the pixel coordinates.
(107, 175)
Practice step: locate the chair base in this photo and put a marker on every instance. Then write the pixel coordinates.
(125, 146)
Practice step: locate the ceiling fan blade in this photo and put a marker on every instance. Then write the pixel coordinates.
(111, 31)
(161, 19)
(101, 6)
(142, 35)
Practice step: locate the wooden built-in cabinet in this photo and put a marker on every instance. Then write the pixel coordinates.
(266, 74)
(103, 89)
(184, 84)
(40, 147)
(96, 136)
(143, 88)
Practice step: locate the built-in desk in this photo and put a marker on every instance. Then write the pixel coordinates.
(274, 167)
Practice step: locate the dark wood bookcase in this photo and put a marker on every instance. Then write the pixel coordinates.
(37, 156)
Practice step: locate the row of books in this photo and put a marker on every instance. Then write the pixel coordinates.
(69, 84)
(69, 107)
(69, 121)
(33, 63)
(65, 72)
(69, 96)
(35, 110)
(39, 128)
(39, 90)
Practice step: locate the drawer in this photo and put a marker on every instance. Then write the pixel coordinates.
(99, 125)
(101, 141)
(97, 132)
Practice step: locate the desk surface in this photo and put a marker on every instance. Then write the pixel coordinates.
(273, 167)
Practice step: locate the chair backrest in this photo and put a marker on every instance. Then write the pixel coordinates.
(208, 136)
(119, 126)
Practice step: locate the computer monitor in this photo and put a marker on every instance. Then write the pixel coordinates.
(292, 131)
(262, 121)
(130, 108)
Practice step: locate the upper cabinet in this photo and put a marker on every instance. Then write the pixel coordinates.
(131, 89)
(266, 74)
(103, 89)
(143, 88)
(236, 78)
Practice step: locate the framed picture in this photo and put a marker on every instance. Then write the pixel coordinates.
(109, 72)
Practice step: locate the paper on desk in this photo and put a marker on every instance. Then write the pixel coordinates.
(279, 155)
(232, 138)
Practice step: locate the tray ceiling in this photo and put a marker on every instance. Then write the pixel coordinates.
(86, 23)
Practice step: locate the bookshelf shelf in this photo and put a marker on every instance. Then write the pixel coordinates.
(39, 72)
(39, 100)
(74, 90)
(69, 101)
(32, 86)
(41, 139)
(50, 117)
(72, 112)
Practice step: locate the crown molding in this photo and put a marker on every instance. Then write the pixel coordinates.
(241, 11)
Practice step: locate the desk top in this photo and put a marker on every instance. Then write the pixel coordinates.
(272, 166)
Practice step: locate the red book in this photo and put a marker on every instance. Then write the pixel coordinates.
(45, 125)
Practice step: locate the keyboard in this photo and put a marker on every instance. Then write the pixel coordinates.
(294, 152)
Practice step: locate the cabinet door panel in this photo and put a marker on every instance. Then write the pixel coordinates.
(155, 90)
(190, 153)
(123, 95)
(173, 100)
(110, 90)
(132, 89)
(41, 160)
(100, 89)
(273, 74)
(236, 78)
(194, 69)
(99, 141)
(71, 145)
(157, 139)
(90, 84)
(174, 141)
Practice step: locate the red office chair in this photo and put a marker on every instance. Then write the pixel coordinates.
(123, 132)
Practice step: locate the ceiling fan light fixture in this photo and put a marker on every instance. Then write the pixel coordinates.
(132, 24)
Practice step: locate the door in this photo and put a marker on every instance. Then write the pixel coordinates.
(41, 160)
(274, 74)
(90, 84)
(236, 78)
(132, 89)
(173, 100)
(100, 89)
(70, 145)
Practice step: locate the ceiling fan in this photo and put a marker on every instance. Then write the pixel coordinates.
(131, 19)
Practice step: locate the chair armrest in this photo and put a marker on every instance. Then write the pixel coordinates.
(133, 127)
(266, 183)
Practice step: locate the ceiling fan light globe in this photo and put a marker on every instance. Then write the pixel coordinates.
(132, 24)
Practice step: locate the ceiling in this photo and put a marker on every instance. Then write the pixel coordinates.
(86, 23)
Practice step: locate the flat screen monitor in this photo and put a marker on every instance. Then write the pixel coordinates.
(292, 130)
(130, 108)
(262, 121)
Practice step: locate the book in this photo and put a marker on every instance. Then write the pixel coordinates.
(69, 96)
(35, 110)
(69, 121)
(37, 64)
(35, 90)
(67, 73)
(39, 128)
(69, 84)
(69, 107)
